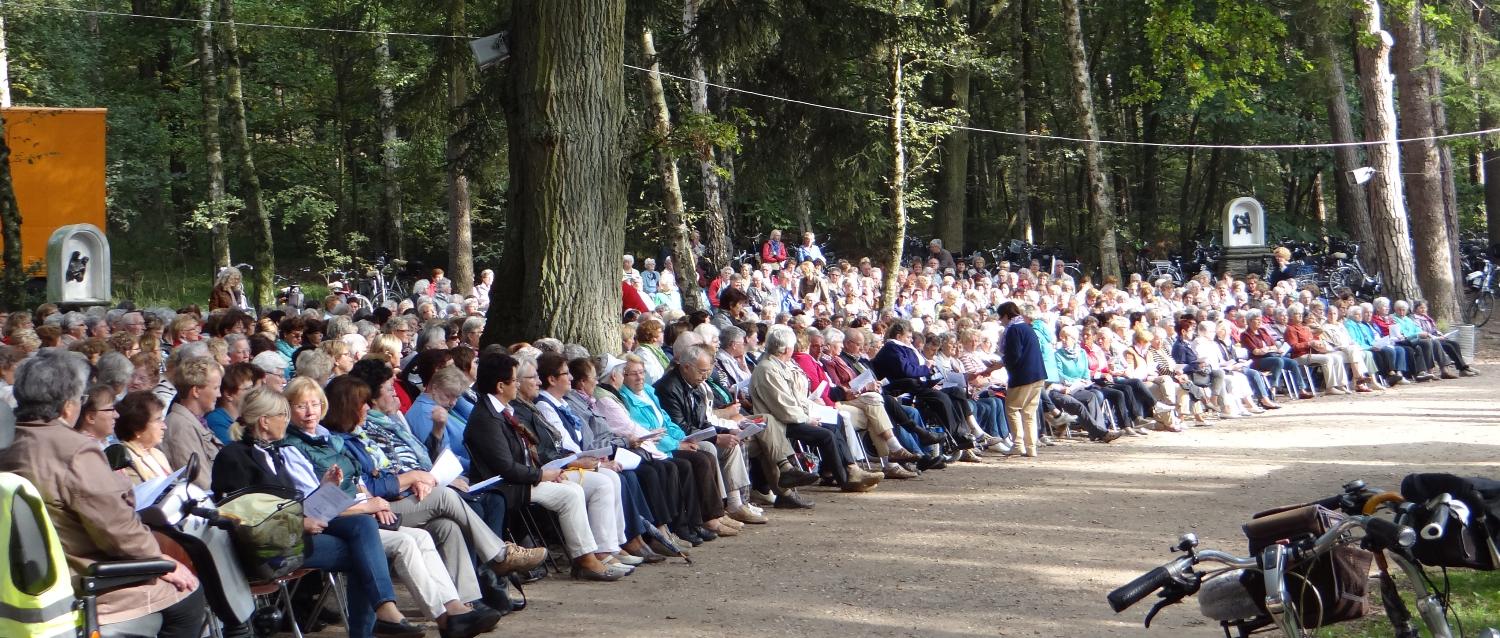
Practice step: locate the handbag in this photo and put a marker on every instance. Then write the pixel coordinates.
(267, 531)
(1328, 589)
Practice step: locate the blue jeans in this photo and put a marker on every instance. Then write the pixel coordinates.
(1275, 364)
(633, 502)
(352, 544)
(907, 439)
(990, 412)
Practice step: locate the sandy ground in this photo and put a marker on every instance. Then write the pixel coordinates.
(1030, 547)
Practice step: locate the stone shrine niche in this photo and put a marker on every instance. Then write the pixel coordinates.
(78, 268)
(1244, 224)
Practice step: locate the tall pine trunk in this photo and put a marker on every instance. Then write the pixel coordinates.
(390, 157)
(1101, 200)
(674, 216)
(255, 208)
(1351, 202)
(565, 115)
(1390, 235)
(1447, 176)
(213, 152)
(716, 232)
(896, 186)
(1031, 105)
(460, 226)
(953, 200)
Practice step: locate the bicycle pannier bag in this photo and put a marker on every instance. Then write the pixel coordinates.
(1470, 544)
(1329, 589)
(268, 532)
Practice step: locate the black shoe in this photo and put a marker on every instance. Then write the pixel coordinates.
(470, 624)
(926, 437)
(687, 534)
(1469, 372)
(931, 462)
(403, 629)
(705, 533)
(792, 501)
(792, 478)
(1112, 435)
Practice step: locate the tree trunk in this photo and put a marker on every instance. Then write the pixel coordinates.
(4, 69)
(460, 225)
(802, 207)
(1421, 165)
(1031, 100)
(390, 159)
(255, 208)
(1489, 117)
(674, 216)
(213, 152)
(1101, 203)
(716, 231)
(1390, 235)
(1352, 204)
(897, 183)
(1447, 176)
(13, 277)
(952, 200)
(565, 114)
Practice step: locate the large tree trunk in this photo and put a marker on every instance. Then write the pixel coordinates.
(1421, 165)
(1101, 202)
(213, 152)
(716, 232)
(1447, 176)
(1489, 117)
(897, 183)
(390, 158)
(674, 216)
(565, 113)
(460, 226)
(255, 208)
(1390, 235)
(952, 200)
(4, 68)
(1352, 205)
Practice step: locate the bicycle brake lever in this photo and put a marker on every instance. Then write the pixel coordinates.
(1164, 603)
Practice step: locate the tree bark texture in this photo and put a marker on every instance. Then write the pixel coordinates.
(1421, 166)
(1390, 235)
(4, 69)
(213, 150)
(565, 114)
(1351, 201)
(10, 226)
(673, 211)
(1447, 176)
(390, 158)
(897, 184)
(1031, 106)
(255, 208)
(953, 202)
(716, 232)
(1100, 202)
(460, 222)
(1489, 117)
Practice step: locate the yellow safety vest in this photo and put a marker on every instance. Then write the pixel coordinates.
(36, 597)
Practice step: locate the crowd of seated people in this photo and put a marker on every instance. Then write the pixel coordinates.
(691, 431)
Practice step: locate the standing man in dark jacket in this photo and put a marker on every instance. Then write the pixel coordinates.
(1022, 354)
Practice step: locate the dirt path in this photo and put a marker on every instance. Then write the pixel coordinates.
(1030, 547)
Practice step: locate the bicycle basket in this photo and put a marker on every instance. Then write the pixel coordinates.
(1328, 589)
(267, 533)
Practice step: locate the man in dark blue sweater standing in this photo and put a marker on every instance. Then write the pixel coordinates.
(1022, 354)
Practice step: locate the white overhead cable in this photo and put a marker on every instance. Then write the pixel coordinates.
(826, 107)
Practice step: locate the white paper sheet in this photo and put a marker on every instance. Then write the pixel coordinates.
(702, 435)
(862, 381)
(825, 414)
(446, 468)
(750, 428)
(485, 484)
(601, 453)
(560, 463)
(326, 503)
(148, 491)
(954, 380)
(628, 460)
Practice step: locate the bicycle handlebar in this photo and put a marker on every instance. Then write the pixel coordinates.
(1437, 522)
(1143, 586)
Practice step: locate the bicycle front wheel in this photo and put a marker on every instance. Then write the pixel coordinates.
(1480, 308)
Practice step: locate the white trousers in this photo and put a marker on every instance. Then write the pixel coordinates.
(415, 560)
(567, 501)
(601, 493)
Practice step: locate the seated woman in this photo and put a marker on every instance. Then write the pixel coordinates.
(601, 484)
(779, 390)
(1420, 354)
(139, 427)
(1236, 390)
(649, 337)
(1361, 362)
(89, 504)
(863, 413)
(1073, 392)
(97, 420)
(1108, 370)
(432, 417)
(942, 354)
(840, 375)
(349, 543)
(1310, 350)
(503, 447)
(1236, 357)
(238, 378)
(1163, 384)
(1450, 354)
(903, 366)
(410, 550)
(1390, 361)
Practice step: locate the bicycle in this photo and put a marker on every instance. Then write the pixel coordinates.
(1224, 593)
(1479, 303)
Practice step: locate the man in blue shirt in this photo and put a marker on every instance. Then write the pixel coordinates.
(1021, 352)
